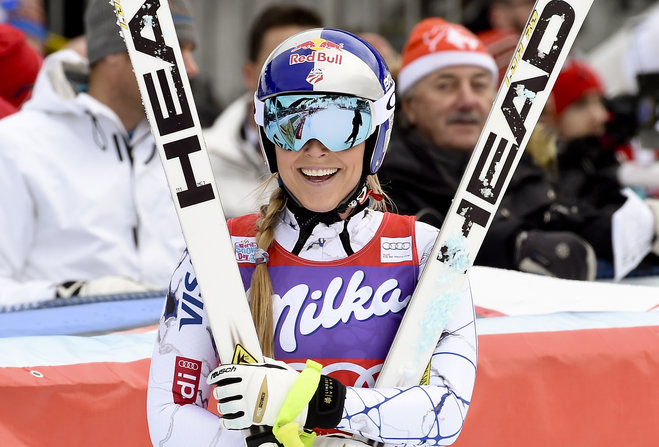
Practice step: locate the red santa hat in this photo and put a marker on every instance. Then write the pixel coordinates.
(434, 44)
(19, 65)
(575, 80)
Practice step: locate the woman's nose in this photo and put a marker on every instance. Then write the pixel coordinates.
(315, 148)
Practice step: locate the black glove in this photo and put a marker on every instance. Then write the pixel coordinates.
(555, 253)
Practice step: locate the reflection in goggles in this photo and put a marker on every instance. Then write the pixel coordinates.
(339, 122)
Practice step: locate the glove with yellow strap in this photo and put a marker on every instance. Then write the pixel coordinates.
(274, 394)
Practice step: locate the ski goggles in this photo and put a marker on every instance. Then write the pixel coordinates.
(339, 122)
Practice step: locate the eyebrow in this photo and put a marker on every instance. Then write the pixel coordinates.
(480, 74)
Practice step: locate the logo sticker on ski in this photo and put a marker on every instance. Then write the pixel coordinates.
(241, 355)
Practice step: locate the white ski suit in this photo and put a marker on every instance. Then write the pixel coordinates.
(80, 197)
(339, 310)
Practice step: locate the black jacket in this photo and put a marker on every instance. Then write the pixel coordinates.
(586, 178)
(422, 179)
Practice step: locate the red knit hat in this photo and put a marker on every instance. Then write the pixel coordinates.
(19, 65)
(434, 44)
(6, 109)
(575, 80)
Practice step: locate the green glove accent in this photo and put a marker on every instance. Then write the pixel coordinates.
(285, 430)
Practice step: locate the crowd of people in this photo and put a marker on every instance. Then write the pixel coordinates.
(557, 217)
(86, 209)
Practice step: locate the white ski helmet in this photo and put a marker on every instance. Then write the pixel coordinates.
(315, 84)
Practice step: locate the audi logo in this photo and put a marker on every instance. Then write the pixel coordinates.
(396, 245)
(188, 365)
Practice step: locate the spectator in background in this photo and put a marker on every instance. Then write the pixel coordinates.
(30, 17)
(501, 44)
(384, 47)
(232, 140)
(578, 102)
(447, 86)
(510, 15)
(86, 209)
(619, 225)
(507, 20)
(19, 65)
(629, 65)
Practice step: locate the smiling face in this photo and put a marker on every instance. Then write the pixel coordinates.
(319, 178)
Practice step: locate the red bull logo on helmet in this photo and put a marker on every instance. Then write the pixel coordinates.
(319, 53)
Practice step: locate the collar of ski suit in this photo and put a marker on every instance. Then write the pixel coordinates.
(324, 241)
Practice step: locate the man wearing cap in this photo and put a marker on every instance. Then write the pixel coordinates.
(447, 84)
(85, 207)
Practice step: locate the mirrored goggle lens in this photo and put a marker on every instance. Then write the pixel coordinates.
(338, 122)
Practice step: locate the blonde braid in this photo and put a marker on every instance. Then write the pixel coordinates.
(261, 290)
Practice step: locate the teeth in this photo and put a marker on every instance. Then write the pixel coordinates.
(318, 172)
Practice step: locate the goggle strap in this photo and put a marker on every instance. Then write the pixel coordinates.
(259, 107)
(384, 107)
